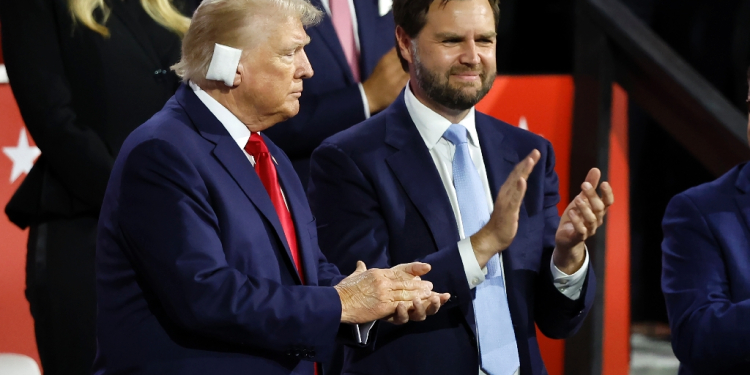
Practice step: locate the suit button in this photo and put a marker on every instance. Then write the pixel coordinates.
(160, 74)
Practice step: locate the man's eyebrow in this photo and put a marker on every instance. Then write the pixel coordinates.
(452, 35)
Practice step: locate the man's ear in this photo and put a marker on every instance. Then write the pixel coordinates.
(239, 75)
(404, 44)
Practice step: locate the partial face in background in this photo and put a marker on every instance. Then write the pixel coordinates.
(453, 58)
(273, 69)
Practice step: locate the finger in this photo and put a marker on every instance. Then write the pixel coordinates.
(414, 268)
(524, 167)
(593, 177)
(591, 221)
(418, 313)
(407, 295)
(433, 304)
(577, 222)
(401, 315)
(593, 198)
(608, 197)
(444, 297)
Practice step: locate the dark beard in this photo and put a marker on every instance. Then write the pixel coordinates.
(439, 89)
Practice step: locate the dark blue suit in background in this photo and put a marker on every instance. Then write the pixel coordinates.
(194, 275)
(378, 197)
(331, 100)
(706, 275)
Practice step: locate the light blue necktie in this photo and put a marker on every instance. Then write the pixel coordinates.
(497, 341)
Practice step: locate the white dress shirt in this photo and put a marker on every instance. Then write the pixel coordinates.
(431, 127)
(241, 134)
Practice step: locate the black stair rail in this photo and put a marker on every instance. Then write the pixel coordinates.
(612, 45)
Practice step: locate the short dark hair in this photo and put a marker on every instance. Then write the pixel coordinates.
(411, 15)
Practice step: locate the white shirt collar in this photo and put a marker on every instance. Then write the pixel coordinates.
(431, 125)
(384, 6)
(239, 132)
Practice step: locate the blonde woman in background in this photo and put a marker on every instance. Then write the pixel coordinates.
(85, 73)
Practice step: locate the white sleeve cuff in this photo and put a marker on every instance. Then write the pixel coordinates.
(364, 100)
(570, 285)
(362, 332)
(474, 274)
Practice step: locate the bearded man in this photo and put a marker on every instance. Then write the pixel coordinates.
(417, 181)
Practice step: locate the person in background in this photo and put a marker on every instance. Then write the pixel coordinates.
(85, 73)
(706, 273)
(357, 73)
(417, 182)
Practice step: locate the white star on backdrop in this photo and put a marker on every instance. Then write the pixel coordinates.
(523, 124)
(22, 156)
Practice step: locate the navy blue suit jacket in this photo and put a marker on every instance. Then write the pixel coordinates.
(706, 275)
(331, 100)
(378, 197)
(194, 275)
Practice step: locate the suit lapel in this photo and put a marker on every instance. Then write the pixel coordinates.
(415, 170)
(234, 161)
(129, 20)
(295, 198)
(327, 33)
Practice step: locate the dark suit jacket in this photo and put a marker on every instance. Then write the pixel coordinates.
(331, 100)
(194, 275)
(706, 275)
(378, 197)
(80, 95)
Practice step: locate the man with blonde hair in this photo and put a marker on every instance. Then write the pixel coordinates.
(207, 256)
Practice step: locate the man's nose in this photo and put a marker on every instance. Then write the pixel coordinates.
(304, 69)
(470, 54)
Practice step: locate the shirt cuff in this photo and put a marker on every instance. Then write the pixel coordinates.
(364, 100)
(474, 274)
(362, 332)
(570, 285)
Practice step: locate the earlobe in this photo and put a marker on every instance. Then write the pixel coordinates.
(238, 75)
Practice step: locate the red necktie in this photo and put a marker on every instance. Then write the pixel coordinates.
(267, 172)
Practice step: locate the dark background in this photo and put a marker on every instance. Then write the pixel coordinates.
(537, 37)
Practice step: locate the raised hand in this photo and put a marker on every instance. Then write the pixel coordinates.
(385, 82)
(373, 294)
(580, 221)
(502, 227)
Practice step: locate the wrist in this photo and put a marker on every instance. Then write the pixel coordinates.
(485, 245)
(569, 260)
(344, 296)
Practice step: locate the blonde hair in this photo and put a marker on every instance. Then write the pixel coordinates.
(161, 11)
(226, 22)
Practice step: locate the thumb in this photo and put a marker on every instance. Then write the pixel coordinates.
(361, 267)
(414, 268)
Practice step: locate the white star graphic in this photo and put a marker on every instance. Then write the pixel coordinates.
(523, 124)
(23, 156)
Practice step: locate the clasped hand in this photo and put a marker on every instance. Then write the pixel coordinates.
(396, 295)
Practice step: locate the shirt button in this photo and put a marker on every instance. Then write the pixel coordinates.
(475, 281)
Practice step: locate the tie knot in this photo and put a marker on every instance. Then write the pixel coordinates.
(456, 134)
(256, 145)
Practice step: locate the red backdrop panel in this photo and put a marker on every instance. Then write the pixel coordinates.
(16, 326)
(545, 105)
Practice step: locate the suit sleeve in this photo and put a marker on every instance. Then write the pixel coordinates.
(556, 315)
(352, 226)
(709, 330)
(320, 116)
(172, 234)
(75, 154)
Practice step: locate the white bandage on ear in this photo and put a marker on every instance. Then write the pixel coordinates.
(224, 64)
